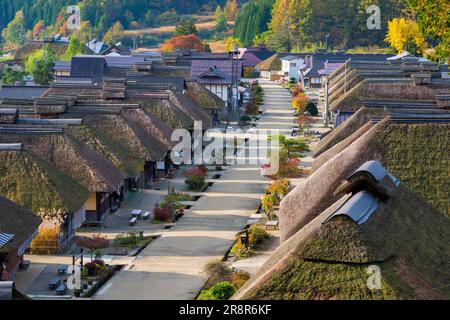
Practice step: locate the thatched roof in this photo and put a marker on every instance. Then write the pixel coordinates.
(203, 97)
(128, 132)
(177, 110)
(328, 259)
(117, 153)
(272, 63)
(346, 129)
(415, 153)
(16, 220)
(352, 100)
(75, 158)
(38, 185)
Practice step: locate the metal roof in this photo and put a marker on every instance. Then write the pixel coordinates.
(5, 238)
(374, 168)
(359, 208)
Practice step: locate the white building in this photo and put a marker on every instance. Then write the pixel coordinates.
(290, 67)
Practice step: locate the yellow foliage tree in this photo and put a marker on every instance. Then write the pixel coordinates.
(404, 34)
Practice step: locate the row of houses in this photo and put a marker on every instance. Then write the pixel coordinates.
(72, 151)
(377, 201)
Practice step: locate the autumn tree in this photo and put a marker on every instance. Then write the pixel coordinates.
(190, 41)
(38, 29)
(185, 27)
(404, 34)
(85, 32)
(433, 20)
(114, 34)
(230, 10)
(97, 242)
(14, 33)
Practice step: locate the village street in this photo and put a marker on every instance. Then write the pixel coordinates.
(171, 266)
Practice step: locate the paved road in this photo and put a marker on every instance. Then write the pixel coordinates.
(170, 268)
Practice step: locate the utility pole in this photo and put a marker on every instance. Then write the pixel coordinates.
(326, 120)
(234, 56)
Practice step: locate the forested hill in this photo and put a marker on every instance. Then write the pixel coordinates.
(104, 13)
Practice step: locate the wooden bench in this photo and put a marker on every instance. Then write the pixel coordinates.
(61, 290)
(133, 221)
(54, 283)
(146, 215)
(272, 225)
(62, 270)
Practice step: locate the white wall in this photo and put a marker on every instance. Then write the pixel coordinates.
(220, 90)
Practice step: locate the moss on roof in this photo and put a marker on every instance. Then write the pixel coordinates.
(405, 237)
(203, 97)
(346, 129)
(16, 220)
(39, 186)
(416, 154)
(118, 153)
(166, 111)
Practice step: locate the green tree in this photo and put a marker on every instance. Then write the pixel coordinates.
(252, 20)
(221, 23)
(11, 76)
(40, 65)
(185, 27)
(433, 18)
(74, 48)
(294, 148)
(14, 34)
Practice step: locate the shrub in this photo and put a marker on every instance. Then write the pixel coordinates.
(239, 279)
(195, 183)
(218, 271)
(196, 171)
(246, 118)
(297, 90)
(223, 290)
(257, 235)
(99, 262)
(279, 188)
(252, 108)
(163, 214)
(311, 108)
(299, 103)
(239, 250)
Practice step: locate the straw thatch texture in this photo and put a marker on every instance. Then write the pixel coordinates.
(167, 111)
(16, 220)
(203, 97)
(405, 237)
(351, 101)
(118, 153)
(346, 129)
(39, 186)
(417, 154)
(333, 151)
(271, 64)
(76, 159)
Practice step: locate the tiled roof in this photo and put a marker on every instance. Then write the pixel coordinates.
(199, 67)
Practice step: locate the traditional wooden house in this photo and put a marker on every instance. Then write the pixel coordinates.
(39, 186)
(373, 218)
(18, 227)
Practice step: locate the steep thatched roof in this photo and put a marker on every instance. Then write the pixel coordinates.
(195, 112)
(272, 63)
(118, 153)
(338, 147)
(77, 159)
(352, 100)
(38, 185)
(127, 132)
(415, 153)
(203, 97)
(16, 220)
(346, 129)
(328, 259)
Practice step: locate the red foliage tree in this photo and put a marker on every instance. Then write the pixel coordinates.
(163, 214)
(190, 41)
